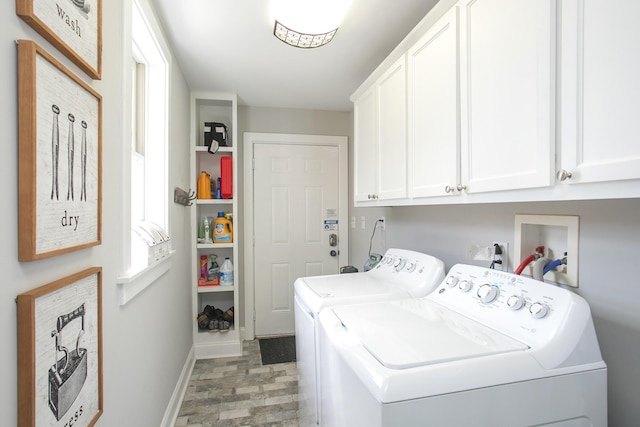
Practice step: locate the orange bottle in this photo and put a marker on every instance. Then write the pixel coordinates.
(204, 186)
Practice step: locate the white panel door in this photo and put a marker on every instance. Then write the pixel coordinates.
(296, 196)
(600, 97)
(433, 136)
(392, 132)
(507, 63)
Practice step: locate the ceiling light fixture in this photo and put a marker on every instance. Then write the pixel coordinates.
(307, 23)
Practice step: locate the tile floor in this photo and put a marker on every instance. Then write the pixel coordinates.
(240, 391)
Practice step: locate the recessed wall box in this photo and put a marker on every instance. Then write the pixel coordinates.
(558, 234)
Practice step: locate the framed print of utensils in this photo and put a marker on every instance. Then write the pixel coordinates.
(74, 27)
(59, 157)
(60, 352)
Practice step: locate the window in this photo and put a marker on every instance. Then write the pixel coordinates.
(147, 199)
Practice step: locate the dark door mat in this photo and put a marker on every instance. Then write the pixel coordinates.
(278, 350)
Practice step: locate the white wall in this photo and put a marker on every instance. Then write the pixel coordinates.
(609, 269)
(147, 341)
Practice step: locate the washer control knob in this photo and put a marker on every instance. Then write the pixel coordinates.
(538, 310)
(399, 265)
(451, 281)
(488, 293)
(515, 302)
(411, 265)
(465, 285)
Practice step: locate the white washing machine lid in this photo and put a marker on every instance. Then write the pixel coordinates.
(417, 332)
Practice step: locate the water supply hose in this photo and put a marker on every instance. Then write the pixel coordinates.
(550, 266)
(524, 263)
(537, 254)
(538, 268)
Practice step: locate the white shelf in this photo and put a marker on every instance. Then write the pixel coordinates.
(215, 288)
(222, 108)
(204, 149)
(214, 201)
(215, 245)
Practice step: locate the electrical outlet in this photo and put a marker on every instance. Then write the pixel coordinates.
(382, 223)
(500, 256)
(363, 222)
(353, 222)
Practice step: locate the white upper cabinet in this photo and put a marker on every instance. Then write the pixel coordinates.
(380, 147)
(433, 114)
(600, 91)
(365, 146)
(392, 132)
(507, 94)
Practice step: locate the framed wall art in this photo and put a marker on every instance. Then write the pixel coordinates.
(74, 27)
(60, 352)
(59, 158)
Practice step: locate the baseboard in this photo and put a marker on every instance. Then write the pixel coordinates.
(173, 409)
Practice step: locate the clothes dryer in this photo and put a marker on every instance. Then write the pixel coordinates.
(400, 274)
(486, 348)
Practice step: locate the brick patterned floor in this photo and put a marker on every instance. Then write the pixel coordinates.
(240, 391)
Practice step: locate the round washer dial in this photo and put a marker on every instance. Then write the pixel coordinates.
(465, 285)
(399, 265)
(515, 302)
(538, 310)
(451, 281)
(488, 293)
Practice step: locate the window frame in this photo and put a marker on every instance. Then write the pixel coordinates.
(144, 42)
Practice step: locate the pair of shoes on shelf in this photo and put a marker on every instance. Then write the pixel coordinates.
(215, 319)
(228, 315)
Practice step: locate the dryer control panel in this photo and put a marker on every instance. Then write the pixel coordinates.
(415, 271)
(521, 307)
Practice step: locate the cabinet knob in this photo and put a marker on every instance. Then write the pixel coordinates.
(449, 189)
(563, 175)
(461, 187)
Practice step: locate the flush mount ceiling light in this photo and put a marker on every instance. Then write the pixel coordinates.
(307, 23)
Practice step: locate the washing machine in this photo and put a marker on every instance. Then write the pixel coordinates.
(485, 348)
(400, 274)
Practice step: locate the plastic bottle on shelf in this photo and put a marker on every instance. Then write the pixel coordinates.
(206, 230)
(204, 186)
(213, 274)
(226, 273)
(222, 229)
(203, 266)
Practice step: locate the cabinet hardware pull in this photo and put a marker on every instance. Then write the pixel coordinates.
(563, 175)
(461, 187)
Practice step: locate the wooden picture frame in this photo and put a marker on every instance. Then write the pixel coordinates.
(60, 352)
(60, 136)
(74, 27)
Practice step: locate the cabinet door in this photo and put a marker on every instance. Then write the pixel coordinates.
(392, 132)
(507, 93)
(600, 98)
(365, 146)
(433, 136)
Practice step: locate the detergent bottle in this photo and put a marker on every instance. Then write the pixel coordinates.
(204, 186)
(222, 229)
(226, 273)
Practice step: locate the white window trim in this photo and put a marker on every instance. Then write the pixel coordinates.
(134, 279)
